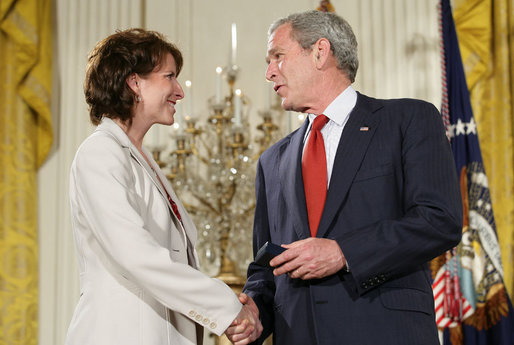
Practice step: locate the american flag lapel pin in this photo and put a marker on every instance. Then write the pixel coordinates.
(364, 128)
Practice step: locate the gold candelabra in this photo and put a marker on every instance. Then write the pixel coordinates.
(212, 169)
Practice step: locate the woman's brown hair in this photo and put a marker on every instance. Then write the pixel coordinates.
(113, 60)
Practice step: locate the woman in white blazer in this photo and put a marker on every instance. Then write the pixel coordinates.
(139, 282)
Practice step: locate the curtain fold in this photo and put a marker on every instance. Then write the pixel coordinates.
(25, 140)
(486, 38)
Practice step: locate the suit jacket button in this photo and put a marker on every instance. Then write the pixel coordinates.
(198, 317)
(205, 321)
(192, 313)
(212, 325)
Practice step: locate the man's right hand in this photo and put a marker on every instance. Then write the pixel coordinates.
(246, 328)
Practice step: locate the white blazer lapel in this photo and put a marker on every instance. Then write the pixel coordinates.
(186, 223)
(186, 226)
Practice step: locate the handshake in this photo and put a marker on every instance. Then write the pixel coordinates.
(246, 328)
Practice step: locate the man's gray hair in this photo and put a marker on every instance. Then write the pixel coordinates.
(308, 27)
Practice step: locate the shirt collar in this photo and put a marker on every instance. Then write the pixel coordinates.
(340, 107)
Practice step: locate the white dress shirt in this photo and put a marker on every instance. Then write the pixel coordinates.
(338, 113)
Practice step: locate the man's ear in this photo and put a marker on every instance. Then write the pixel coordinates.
(133, 82)
(321, 52)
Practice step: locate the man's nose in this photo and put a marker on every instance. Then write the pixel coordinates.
(271, 71)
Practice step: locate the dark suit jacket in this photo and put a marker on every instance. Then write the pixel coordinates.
(392, 205)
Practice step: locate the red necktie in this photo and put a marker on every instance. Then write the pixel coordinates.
(314, 170)
(174, 207)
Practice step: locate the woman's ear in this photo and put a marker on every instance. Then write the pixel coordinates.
(133, 83)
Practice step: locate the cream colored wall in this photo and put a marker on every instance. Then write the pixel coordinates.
(399, 57)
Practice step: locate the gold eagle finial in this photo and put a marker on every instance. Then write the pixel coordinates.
(325, 6)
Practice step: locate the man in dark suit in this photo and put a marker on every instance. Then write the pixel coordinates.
(361, 203)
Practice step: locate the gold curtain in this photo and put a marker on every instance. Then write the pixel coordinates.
(486, 38)
(25, 139)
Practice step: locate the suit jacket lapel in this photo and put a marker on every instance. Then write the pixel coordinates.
(111, 127)
(187, 223)
(291, 182)
(356, 136)
(148, 169)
